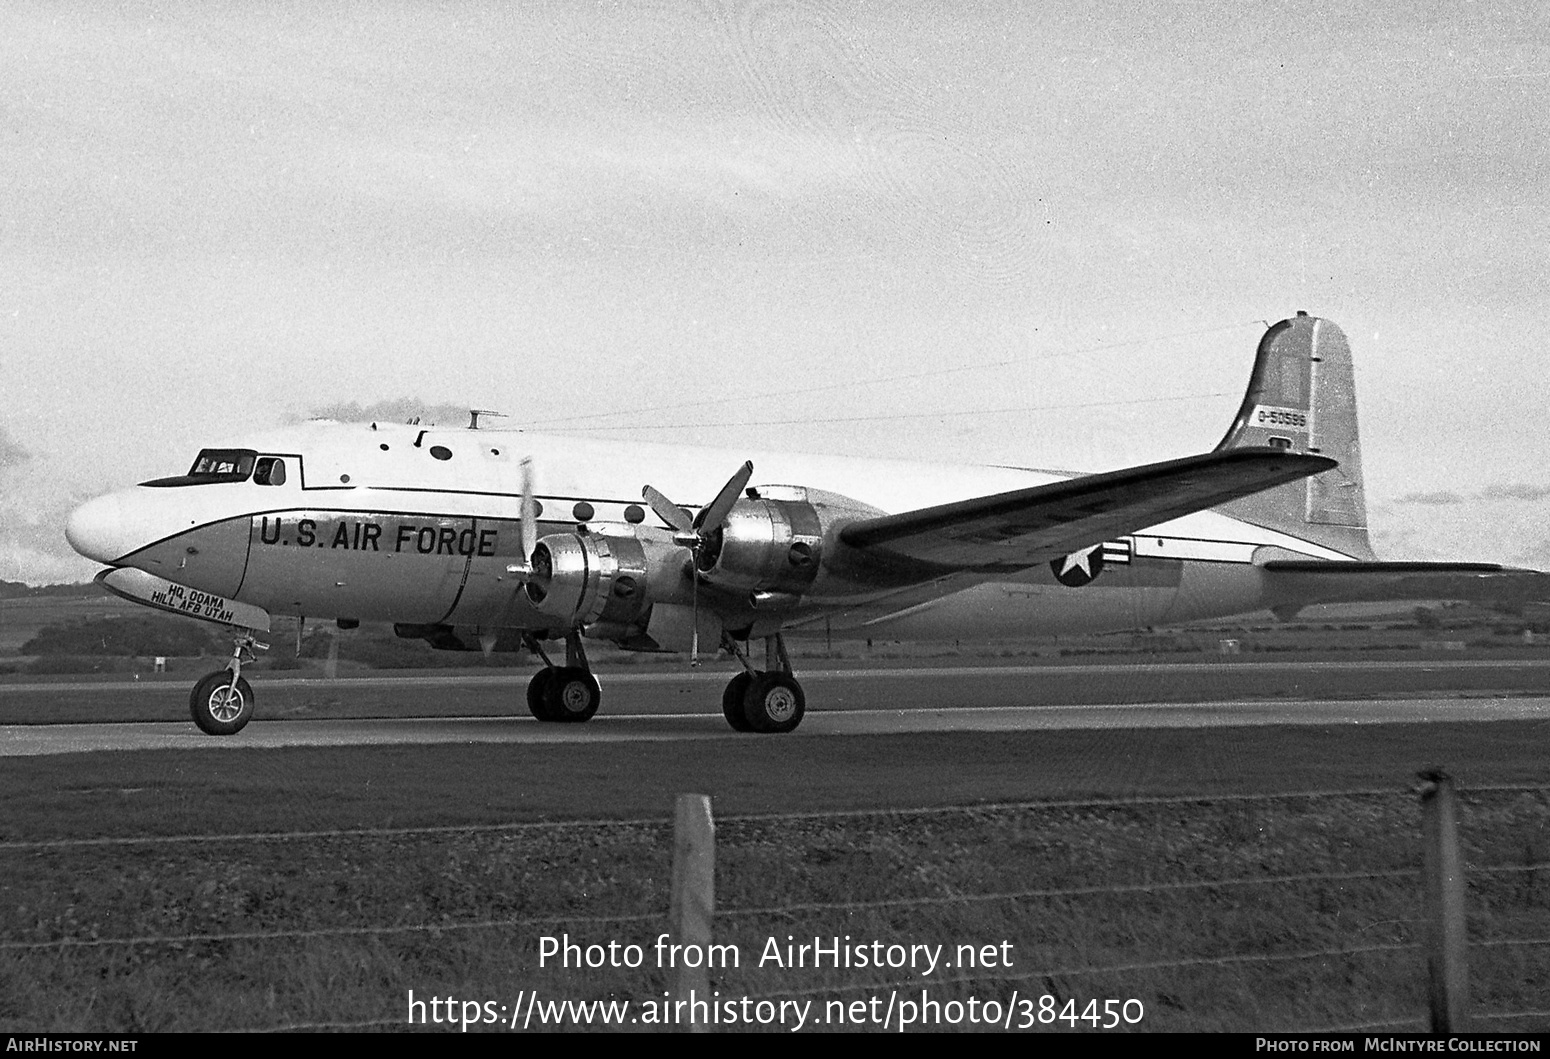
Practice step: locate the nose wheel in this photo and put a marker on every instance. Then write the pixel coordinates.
(222, 702)
(221, 705)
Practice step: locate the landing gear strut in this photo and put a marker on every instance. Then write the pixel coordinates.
(568, 693)
(765, 700)
(222, 703)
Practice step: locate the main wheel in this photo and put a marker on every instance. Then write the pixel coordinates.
(732, 702)
(572, 695)
(217, 707)
(774, 703)
(538, 693)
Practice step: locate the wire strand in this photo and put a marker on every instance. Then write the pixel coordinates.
(1067, 891)
(874, 380)
(1075, 972)
(825, 814)
(805, 420)
(322, 932)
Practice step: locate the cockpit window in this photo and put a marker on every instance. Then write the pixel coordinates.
(269, 471)
(214, 465)
(228, 465)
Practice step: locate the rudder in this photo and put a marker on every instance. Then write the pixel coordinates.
(1302, 397)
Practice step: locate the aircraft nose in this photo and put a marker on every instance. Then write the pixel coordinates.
(96, 528)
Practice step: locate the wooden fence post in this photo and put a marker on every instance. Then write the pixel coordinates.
(1445, 953)
(694, 896)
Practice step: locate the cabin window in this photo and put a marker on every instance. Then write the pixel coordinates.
(270, 470)
(441, 452)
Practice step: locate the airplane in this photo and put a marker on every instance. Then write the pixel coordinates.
(479, 539)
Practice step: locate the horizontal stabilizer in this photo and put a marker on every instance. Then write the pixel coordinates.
(1299, 584)
(1016, 530)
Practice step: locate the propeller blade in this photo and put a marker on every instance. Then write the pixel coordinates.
(716, 511)
(668, 511)
(529, 522)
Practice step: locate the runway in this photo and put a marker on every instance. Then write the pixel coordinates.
(923, 670)
(46, 739)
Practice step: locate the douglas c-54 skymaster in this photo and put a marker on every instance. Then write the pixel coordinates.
(481, 539)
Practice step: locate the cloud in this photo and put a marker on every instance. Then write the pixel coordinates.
(395, 410)
(1434, 499)
(1500, 522)
(34, 504)
(1514, 491)
(1535, 556)
(1495, 491)
(50, 565)
(11, 454)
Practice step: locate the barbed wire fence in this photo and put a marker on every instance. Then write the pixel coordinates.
(692, 917)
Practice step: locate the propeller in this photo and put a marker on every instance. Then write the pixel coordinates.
(527, 525)
(695, 533)
(529, 514)
(698, 533)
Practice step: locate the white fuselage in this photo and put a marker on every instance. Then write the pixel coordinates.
(420, 526)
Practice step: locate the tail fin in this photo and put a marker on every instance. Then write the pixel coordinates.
(1302, 397)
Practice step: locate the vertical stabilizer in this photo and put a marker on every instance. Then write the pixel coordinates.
(1302, 397)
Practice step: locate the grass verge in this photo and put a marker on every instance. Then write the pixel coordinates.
(260, 933)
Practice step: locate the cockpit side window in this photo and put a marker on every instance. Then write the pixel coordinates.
(270, 470)
(214, 465)
(226, 464)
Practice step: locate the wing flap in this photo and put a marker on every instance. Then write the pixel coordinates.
(1015, 530)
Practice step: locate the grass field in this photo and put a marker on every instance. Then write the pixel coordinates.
(551, 840)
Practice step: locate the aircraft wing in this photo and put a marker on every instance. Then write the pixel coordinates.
(1016, 530)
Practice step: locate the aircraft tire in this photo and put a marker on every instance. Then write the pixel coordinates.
(538, 693)
(572, 695)
(212, 712)
(774, 703)
(732, 702)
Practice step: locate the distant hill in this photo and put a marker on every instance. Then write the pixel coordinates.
(17, 590)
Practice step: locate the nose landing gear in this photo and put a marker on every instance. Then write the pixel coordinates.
(222, 702)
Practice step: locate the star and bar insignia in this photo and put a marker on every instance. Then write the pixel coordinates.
(1083, 567)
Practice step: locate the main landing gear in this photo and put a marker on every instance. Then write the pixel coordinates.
(768, 701)
(568, 693)
(222, 703)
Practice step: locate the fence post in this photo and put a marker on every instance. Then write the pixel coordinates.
(694, 896)
(1445, 954)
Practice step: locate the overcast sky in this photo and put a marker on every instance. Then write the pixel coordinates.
(999, 232)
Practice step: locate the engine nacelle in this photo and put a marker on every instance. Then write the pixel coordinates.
(772, 545)
(605, 576)
(765, 545)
